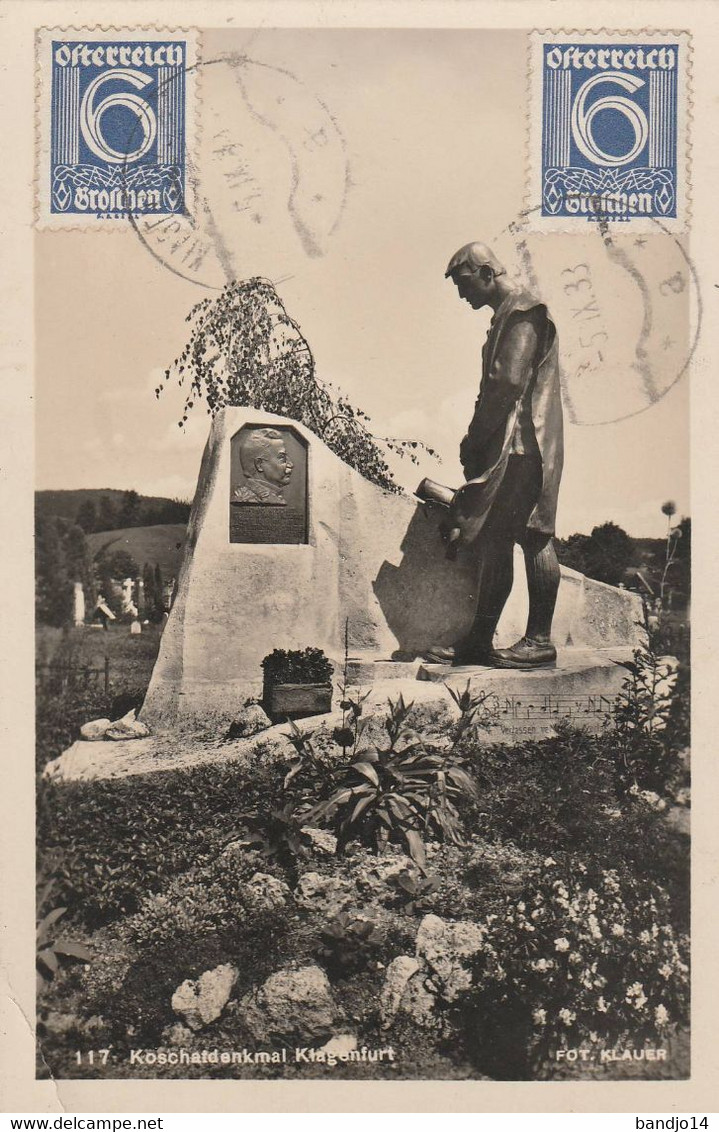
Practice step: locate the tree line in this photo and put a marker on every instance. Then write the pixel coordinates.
(608, 553)
(132, 510)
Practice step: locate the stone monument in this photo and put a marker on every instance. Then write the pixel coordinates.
(287, 544)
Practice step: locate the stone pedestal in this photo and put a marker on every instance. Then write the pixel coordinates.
(288, 569)
(581, 690)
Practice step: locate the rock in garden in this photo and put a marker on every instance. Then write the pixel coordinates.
(202, 1001)
(264, 892)
(340, 1046)
(405, 990)
(293, 1003)
(448, 949)
(58, 1023)
(129, 727)
(95, 729)
(325, 894)
(321, 840)
(176, 1035)
(398, 974)
(251, 720)
(373, 876)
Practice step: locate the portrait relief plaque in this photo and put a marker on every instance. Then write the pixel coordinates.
(268, 485)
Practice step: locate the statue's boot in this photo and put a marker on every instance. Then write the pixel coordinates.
(459, 655)
(475, 648)
(526, 654)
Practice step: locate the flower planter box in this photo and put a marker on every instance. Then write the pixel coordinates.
(295, 701)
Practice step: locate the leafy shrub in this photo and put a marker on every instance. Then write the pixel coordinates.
(414, 890)
(585, 959)
(307, 666)
(349, 942)
(111, 842)
(645, 757)
(53, 948)
(398, 794)
(559, 796)
(201, 920)
(276, 835)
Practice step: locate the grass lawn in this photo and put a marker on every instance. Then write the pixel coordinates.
(131, 657)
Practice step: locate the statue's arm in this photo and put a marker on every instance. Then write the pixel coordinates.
(500, 390)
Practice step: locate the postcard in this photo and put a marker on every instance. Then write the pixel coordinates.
(360, 467)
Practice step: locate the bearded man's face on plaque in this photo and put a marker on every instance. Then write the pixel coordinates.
(266, 467)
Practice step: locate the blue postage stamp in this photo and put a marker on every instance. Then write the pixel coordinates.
(608, 127)
(114, 120)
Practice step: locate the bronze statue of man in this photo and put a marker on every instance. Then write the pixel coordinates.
(512, 459)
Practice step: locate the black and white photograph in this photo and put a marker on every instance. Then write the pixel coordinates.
(364, 358)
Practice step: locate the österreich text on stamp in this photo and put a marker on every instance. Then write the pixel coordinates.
(608, 123)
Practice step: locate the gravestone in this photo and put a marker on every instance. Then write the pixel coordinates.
(287, 559)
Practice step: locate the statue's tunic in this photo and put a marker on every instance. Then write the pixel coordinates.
(518, 412)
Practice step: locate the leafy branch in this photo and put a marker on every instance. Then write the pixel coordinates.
(245, 349)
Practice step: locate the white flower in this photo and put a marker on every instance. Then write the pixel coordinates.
(521, 907)
(542, 965)
(601, 1005)
(549, 861)
(617, 930)
(575, 957)
(635, 996)
(661, 1015)
(644, 937)
(539, 1016)
(567, 1016)
(561, 944)
(665, 970)
(594, 928)
(536, 914)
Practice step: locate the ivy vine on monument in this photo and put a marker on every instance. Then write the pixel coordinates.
(245, 349)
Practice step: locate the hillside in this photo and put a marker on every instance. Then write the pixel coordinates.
(66, 504)
(158, 544)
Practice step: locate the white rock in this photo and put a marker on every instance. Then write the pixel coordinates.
(325, 894)
(251, 720)
(373, 876)
(321, 839)
(176, 1035)
(340, 1045)
(447, 949)
(406, 991)
(129, 727)
(201, 1002)
(95, 729)
(399, 972)
(264, 892)
(294, 1002)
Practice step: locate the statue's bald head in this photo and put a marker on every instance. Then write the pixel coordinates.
(471, 257)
